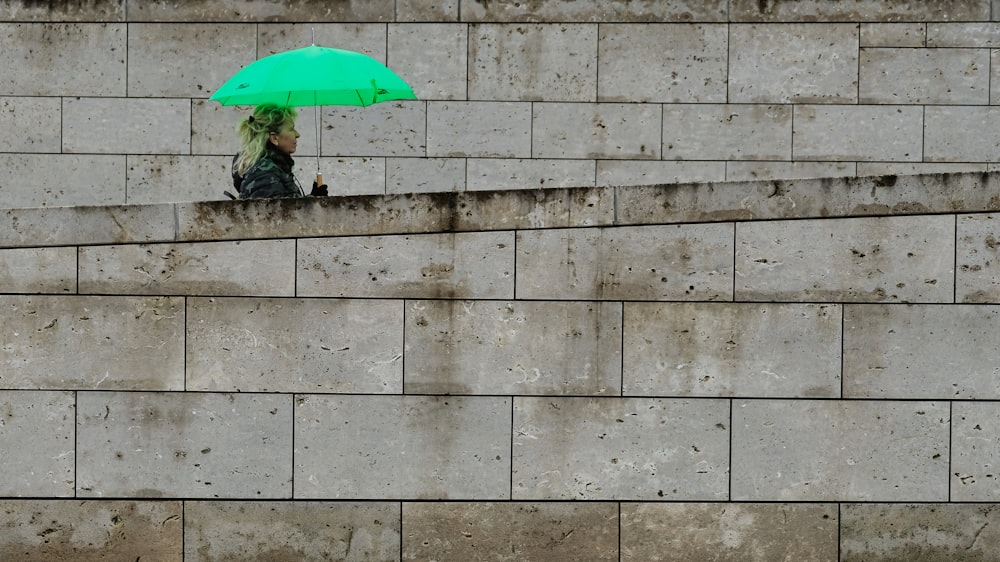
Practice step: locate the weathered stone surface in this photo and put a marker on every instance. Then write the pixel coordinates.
(397, 128)
(595, 130)
(675, 262)
(599, 11)
(649, 172)
(513, 347)
(978, 259)
(410, 447)
(261, 11)
(273, 531)
(37, 431)
(27, 10)
(924, 76)
(728, 532)
(63, 59)
(880, 259)
(727, 132)
(431, 58)
(294, 345)
(975, 455)
(963, 34)
(752, 170)
(715, 349)
(962, 134)
(511, 532)
(423, 175)
(861, 10)
(38, 270)
(49, 531)
(620, 449)
(894, 35)
(528, 173)
(479, 129)
(84, 342)
(36, 120)
(426, 10)
(862, 133)
(833, 450)
(126, 125)
(167, 179)
(61, 180)
(184, 445)
(86, 225)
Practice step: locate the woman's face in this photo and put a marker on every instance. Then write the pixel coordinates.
(286, 139)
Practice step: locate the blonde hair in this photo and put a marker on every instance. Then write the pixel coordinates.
(255, 130)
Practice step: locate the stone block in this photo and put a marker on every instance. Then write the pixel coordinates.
(368, 37)
(793, 63)
(92, 342)
(213, 129)
(978, 258)
(917, 168)
(835, 450)
(523, 173)
(61, 180)
(63, 59)
(479, 129)
(169, 178)
(877, 259)
(47, 530)
(894, 35)
(975, 453)
(26, 10)
(37, 431)
(962, 133)
(38, 270)
(913, 531)
(426, 10)
(715, 349)
(942, 352)
(261, 11)
(410, 447)
(363, 176)
(294, 345)
(977, 34)
(657, 262)
(729, 532)
(532, 62)
(86, 225)
(513, 347)
(754, 171)
(126, 126)
(423, 175)
(387, 129)
(572, 448)
(431, 57)
(279, 530)
(169, 60)
(184, 445)
(247, 267)
(450, 265)
(727, 132)
(596, 130)
(648, 172)
(36, 121)
(858, 132)
(510, 531)
(559, 11)
(924, 76)
(863, 11)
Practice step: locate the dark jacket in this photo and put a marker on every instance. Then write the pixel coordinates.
(270, 177)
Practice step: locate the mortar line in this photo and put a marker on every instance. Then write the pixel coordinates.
(840, 530)
(954, 267)
(76, 443)
(510, 495)
(401, 534)
(619, 531)
(183, 526)
(843, 336)
(621, 354)
(184, 382)
(730, 497)
(951, 433)
(294, 396)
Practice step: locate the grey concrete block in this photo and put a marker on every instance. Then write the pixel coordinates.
(345, 176)
(37, 430)
(83, 342)
(662, 63)
(450, 265)
(479, 129)
(921, 351)
(912, 531)
(240, 530)
(63, 59)
(126, 126)
(423, 175)
(658, 262)
(924, 76)
(426, 10)
(620, 449)
(596, 11)
(86, 225)
(36, 121)
(977, 254)
(978, 34)
(729, 532)
(38, 270)
(188, 445)
(431, 57)
(523, 173)
(903, 34)
(387, 129)
(877, 259)
(61, 180)
(294, 345)
(247, 267)
(532, 62)
(862, 133)
(26, 10)
(513, 347)
(865, 11)
(596, 130)
(510, 531)
(727, 132)
(753, 171)
(649, 172)
(47, 530)
(260, 11)
(797, 63)
(412, 447)
(975, 454)
(716, 349)
(170, 178)
(213, 129)
(834, 450)
(962, 133)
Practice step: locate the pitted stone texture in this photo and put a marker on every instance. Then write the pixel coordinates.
(451, 265)
(426, 10)
(728, 532)
(63, 59)
(919, 532)
(36, 429)
(397, 128)
(921, 351)
(67, 226)
(829, 450)
(963, 34)
(65, 530)
(894, 35)
(294, 345)
(247, 267)
(975, 457)
(861, 133)
(596, 130)
(479, 129)
(302, 531)
(61, 180)
(716, 349)
(36, 121)
(188, 445)
(880, 259)
(978, 261)
(751, 170)
(962, 133)
(26, 10)
(863, 10)
(647, 172)
(620, 449)
(411, 447)
(126, 125)
(727, 132)
(167, 178)
(681, 63)
(513, 347)
(86, 343)
(423, 175)
(213, 130)
(528, 173)
(38, 270)
(365, 37)
(532, 62)
(558, 11)
(793, 63)
(431, 58)
(262, 11)
(669, 262)
(925, 76)
(511, 532)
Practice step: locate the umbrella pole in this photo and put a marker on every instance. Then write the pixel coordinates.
(319, 145)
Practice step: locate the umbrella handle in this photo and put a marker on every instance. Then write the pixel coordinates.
(319, 178)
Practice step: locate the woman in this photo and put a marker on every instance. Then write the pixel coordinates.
(263, 167)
